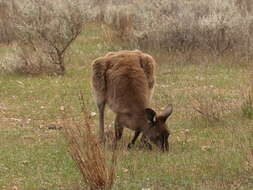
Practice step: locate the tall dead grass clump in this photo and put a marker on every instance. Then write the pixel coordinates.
(247, 104)
(247, 99)
(116, 14)
(95, 165)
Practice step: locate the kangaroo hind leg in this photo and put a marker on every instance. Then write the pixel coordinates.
(99, 88)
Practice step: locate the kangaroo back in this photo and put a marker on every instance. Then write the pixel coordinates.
(124, 79)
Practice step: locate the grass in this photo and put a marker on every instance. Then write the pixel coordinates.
(203, 154)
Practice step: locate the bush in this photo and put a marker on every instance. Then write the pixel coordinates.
(217, 26)
(11, 62)
(43, 32)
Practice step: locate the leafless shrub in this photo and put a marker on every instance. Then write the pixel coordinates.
(119, 20)
(10, 63)
(246, 6)
(88, 153)
(214, 26)
(44, 30)
(212, 109)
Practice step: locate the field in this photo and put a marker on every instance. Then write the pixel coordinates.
(212, 150)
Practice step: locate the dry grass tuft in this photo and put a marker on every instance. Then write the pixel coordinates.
(211, 109)
(249, 160)
(89, 155)
(247, 104)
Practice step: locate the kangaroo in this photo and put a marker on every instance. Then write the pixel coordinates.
(125, 81)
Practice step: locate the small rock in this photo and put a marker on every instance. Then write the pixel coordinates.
(205, 148)
(25, 162)
(28, 121)
(53, 127)
(125, 170)
(92, 114)
(62, 108)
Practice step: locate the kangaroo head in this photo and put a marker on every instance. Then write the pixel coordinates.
(157, 130)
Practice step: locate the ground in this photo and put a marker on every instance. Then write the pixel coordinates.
(207, 151)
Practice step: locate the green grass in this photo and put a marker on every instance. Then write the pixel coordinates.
(204, 154)
(4, 49)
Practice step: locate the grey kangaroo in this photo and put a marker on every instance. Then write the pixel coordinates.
(125, 81)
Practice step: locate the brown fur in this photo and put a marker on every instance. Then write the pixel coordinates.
(125, 81)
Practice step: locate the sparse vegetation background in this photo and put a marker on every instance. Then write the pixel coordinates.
(219, 27)
(204, 55)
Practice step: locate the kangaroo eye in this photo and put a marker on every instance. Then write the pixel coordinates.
(151, 124)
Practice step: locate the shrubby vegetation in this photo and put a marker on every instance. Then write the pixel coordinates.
(218, 27)
(43, 30)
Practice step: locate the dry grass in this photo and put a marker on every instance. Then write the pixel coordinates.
(249, 160)
(88, 153)
(211, 109)
(247, 104)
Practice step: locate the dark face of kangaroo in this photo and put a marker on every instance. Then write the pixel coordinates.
(157, 131)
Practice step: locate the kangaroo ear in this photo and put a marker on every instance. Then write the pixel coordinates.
(166, 112)
(151, 115)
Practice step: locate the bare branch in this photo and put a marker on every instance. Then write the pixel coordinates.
(46, 30)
